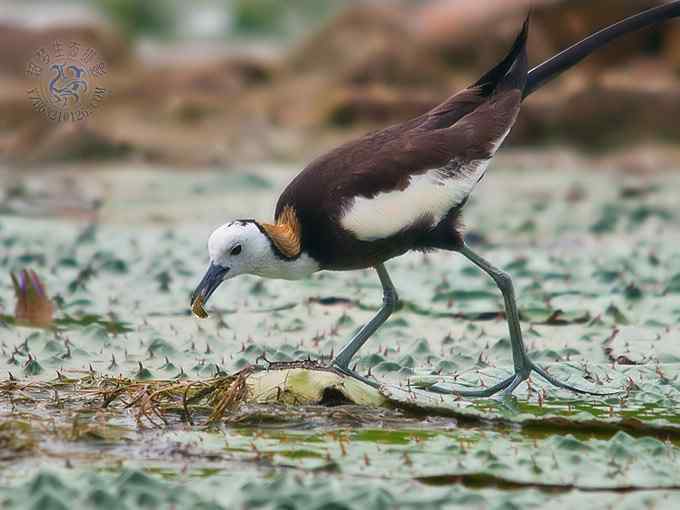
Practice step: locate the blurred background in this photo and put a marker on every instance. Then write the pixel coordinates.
(214, 106)
(232, 82)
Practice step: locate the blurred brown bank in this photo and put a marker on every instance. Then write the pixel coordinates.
(367, 65)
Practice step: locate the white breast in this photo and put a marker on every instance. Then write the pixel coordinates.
(433, 193)
(296, 269)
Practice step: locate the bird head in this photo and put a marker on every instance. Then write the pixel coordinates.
(235, 248)
(248, 247)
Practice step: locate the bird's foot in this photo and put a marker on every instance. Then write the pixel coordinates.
(352, 373)
(507, 386)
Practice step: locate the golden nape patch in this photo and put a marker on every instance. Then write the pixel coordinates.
(285, 234)
(197, 308)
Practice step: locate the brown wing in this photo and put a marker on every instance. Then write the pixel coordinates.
(384, 163)
(466, 127)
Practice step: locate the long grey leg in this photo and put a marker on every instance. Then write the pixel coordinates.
(390, 301)
(504, 282)
(523, 365)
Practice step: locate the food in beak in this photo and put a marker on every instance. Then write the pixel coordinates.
(197, 308)
(212, 279)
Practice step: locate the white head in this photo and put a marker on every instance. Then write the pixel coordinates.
(240, 247)
(244, 247)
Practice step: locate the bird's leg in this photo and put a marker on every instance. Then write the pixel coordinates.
(504, 282)
(522, 364)
(390, 301)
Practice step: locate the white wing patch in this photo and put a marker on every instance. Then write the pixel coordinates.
(433, 194)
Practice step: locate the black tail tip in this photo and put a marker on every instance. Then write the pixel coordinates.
(491, 79)
(519, 70)
(524, 34)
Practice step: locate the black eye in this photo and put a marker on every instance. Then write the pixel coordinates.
(236, 249)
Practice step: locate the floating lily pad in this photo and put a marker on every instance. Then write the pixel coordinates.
(600, 309)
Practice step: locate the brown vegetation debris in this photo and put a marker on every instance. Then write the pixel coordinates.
(33, 306)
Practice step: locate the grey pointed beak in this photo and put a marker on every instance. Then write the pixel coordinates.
(212, 279)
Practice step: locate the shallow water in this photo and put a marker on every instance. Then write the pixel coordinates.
(598, 280)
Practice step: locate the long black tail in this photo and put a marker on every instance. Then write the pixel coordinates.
(553, 67)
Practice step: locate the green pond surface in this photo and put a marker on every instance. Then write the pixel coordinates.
(596, 265)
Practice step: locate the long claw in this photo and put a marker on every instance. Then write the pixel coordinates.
(556, 382)
(436, 388)
(510, 384)
(351, 373)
